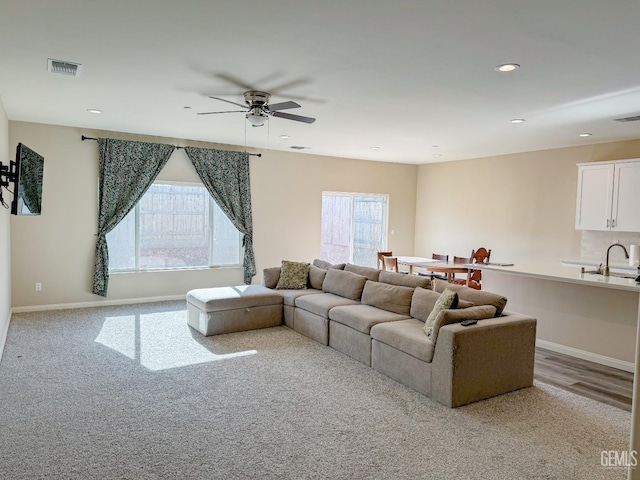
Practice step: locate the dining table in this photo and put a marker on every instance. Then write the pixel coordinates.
(432, 265)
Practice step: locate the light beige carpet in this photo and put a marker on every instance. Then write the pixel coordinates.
(131, 392)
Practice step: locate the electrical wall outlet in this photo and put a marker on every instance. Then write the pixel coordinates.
(38, 287)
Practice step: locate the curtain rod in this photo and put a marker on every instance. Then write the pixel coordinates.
(177, 147)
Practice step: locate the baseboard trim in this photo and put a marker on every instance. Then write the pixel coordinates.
(99, 303)
(584, 355)
(3, 335)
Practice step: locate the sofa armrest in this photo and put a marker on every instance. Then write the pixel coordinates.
(489, 358)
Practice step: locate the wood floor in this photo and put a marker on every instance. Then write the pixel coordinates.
(598, 382)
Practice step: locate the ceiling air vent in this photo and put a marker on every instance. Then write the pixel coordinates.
(64, 68)
(628, 119)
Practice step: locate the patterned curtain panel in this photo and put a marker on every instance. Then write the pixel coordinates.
(127, 170)
(226, 177)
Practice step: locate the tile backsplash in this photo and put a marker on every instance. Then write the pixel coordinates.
(594, 244)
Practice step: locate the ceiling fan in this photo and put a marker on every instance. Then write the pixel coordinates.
(258, 108)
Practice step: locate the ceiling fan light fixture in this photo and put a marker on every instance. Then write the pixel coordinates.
(256, 119)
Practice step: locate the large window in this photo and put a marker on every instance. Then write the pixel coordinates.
(174, 226)
(354, 227)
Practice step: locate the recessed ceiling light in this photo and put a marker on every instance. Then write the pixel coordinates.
(284, 136)
(434, 146)
(507, 67)
(585, 134)
(437, 154)
(374, 148)
(518, 120)
(94, 110)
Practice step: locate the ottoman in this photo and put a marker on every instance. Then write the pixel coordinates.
(212, 311)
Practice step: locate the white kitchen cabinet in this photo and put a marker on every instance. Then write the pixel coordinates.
(609, 196)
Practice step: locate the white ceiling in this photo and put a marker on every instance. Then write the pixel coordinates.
(415, 78)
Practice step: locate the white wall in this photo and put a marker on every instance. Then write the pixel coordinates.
(520, 205)
(57, 248)
(5, 239)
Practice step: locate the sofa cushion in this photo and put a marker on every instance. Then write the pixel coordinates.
(423, 301)
(219, 299)
(392, 298)
(370, 273)
(447, 317)
(289, 296)
(293, 275)
(363, 317)
(316, 277)
(345, 284)
(270, 277)
(448, 299)
(321, 304)
(407, 336)
(394, 278)
(479, 297)
(321, 263)
(327, 265)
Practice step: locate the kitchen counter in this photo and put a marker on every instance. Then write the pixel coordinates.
(565, 272)
(601, 325)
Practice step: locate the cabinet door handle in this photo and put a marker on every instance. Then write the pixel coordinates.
(613, 222)
(607, 223)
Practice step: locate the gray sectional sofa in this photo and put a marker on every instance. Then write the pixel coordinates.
(377, 317)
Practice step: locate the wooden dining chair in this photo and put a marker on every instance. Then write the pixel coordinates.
(380, 263)
(463, 279)
(432, 275)
(442, 258)
(390, 263)
(480, 255)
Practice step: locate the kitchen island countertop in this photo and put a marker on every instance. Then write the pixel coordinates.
(563, 272)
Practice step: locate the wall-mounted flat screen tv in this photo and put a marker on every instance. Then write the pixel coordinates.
(27, 195)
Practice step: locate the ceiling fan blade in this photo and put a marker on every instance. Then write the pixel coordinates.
(231, 79)
(291, 84)
(228, 101)
(228, 111)
(297, 118)
(283, 106)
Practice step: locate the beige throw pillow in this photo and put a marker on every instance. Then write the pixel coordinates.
(479, 297)
(448, 299)
(293, 276)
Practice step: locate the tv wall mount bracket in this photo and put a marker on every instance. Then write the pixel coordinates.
(8, 176)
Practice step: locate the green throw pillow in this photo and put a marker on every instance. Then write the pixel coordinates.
(448, 299)
(293, 275)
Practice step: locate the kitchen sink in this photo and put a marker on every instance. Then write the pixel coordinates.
(612, 274)
(623, 275)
